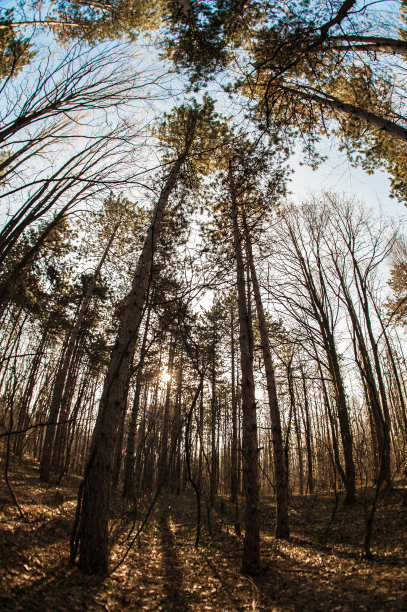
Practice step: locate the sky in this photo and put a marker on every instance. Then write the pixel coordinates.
(336, 174)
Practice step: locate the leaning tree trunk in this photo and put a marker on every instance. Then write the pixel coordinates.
(345, 428)
(395, 369)
(282, 525)
(251, 546)
(23, 417)
(93, 529)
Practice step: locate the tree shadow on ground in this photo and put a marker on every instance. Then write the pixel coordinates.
(61, 588)
(302, 573)
(174, 595)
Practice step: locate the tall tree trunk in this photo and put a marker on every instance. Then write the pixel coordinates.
(200, 434)
(141, 441)
(251, 547)
(234, 480)
(321, 312)
(62, 429)
(396, 373)
(70, 435)
(282, 525)
(118, 452)
(23, 417)
(386, 444)
(93, 531)
(343, 417)
(176, 427)
(297, 426)
(214, 457)
(330, 416)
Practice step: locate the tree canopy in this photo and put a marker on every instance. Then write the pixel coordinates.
(194, 360)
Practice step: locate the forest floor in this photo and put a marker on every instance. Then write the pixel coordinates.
(319, 568)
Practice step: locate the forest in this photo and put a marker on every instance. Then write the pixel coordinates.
(203, 373)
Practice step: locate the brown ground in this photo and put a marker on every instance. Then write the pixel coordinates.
(318, 569)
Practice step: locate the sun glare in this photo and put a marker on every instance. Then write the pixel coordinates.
(165, 376)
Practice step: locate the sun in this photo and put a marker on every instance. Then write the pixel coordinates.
(165, 376)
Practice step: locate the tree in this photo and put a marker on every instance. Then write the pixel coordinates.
(15, 50)
(104, 20)
(187, 133)
(282, 527)
(306, 289)
(248, 187)
(92, 21)
(92, 171)
(251, 548)
(316, 69)
(366, 249)
(66, 361)
(397, 304)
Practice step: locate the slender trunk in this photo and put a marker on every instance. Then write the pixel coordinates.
(118, 452)
(234, 474)
(297, 426)
(71, 431)
(61, 431)
(307, 425)
(177, 459)
(335, 446)
(319, 298)
(345, 429)
(396, 374)
(282, 529)
(382, 432)
(251, 547)
(60, 380)
(128, 485)
(214, 459)
(200, 435)
(386, 424)
(23, 417)
(141, 439)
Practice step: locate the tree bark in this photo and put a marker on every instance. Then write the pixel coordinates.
(93, 530)
(395, 130)
(234, 479)
(214, 455)
(251, 546)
